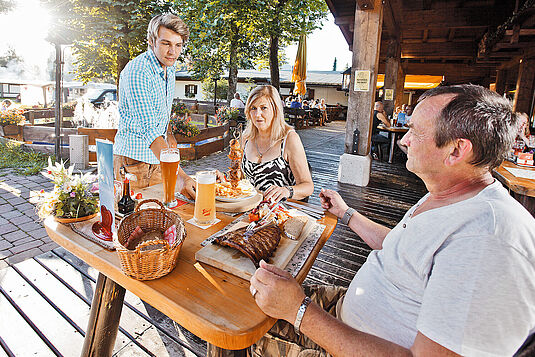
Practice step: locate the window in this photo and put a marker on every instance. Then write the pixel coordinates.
(191, 90)
(14, 88)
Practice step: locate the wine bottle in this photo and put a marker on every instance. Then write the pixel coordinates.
(126, 204)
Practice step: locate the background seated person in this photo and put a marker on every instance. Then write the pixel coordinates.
(236, 102)
(408, 114)
(379, 117)
(274, 159)
(296, 103)
(454, 277)
(523, 133)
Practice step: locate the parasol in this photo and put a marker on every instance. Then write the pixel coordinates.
(299, 73)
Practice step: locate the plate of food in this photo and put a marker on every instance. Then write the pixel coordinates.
(226, 192)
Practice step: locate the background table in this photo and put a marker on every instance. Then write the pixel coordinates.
(212, 304)
(393, 132)
(522, 189)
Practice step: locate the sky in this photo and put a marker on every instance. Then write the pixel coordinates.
(25, 28)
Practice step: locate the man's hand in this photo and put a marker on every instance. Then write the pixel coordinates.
(220, 177)
(278, 293)
(332, 201)
(187, 184)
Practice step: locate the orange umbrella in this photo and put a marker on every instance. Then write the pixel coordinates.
(299, 73)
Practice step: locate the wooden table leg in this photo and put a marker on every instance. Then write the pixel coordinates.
(214, 351)
(392, 143)
(104, 318)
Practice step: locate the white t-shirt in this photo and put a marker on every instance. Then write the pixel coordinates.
(236, 103)
(463, 275)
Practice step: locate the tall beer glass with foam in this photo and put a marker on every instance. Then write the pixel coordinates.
(204, 213)
(169, 161)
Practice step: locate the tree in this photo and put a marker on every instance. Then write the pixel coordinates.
(6, 6)
(208, 88)
(10, 56)
(105, 34)
(282, 21)
(334, 64)
(221, 37)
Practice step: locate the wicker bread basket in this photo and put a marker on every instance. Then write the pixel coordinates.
(154, 258)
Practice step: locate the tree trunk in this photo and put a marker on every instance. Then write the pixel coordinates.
(233, 65)
(274, 60)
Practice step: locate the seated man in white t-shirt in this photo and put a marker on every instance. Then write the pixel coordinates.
(454, 277)
(236, 102)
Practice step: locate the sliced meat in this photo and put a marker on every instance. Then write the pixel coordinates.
(256, 247)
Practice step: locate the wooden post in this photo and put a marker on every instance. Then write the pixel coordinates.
(524, 86)
(400, 87)
(104, 318)
(392, 66)
(355, 167)
(206, 120)
(31, 117)
(501, 77)
(366, 46)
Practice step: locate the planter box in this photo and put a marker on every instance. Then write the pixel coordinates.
(12, 131)
(209, 140)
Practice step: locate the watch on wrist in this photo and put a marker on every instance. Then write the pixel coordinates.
(347, 215)
(300, 314)
(291, 189)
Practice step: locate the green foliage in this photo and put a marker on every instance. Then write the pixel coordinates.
(225, 114)
(221, 35)
(334, 64)
(179, 109)
(10, 56)
(106, 34)
(24, 162)
(208, 89)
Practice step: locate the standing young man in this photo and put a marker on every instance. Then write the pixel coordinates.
(146, 90)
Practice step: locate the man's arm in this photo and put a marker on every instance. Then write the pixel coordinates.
(382, 117)
(279, 296)
(372, 233)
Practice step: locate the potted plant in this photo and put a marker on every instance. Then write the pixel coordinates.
(224, 114)
(72, 199)
(10, 121)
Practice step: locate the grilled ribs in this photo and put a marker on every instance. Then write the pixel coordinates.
(256, 247)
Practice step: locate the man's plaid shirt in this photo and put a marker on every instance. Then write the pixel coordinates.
(145, 100)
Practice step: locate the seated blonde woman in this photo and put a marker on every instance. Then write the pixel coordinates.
(274, 159)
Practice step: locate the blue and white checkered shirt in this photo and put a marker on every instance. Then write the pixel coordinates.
(145, 100)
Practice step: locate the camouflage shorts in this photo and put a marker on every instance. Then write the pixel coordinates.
(282, 340)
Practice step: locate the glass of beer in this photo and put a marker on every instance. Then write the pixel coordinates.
(169, 161)
(204, 213)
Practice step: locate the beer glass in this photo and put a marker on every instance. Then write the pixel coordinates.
(169, 161)
(204, 213)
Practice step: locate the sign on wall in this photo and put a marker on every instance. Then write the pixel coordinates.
(362, 81)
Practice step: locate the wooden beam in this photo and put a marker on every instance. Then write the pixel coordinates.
(522, 32)
(344, 20)
(392, 66)
(365, 5)
(451, 35)
(524, 86)
(501, 76)
(439, 50)
(443, 69)
(392, 11)
(448, 18)
(425, 35)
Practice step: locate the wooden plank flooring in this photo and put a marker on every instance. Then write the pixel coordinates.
(45, 301)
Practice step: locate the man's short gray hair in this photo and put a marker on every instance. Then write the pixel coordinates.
(479, 115)
(167, 20)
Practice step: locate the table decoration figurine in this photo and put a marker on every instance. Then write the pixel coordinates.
(72, 199)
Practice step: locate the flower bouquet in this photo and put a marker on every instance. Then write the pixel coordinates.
(72, 199)
(225, 114)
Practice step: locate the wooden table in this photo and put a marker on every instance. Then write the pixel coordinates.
(393, 131)
(212, 304)
(522, 189)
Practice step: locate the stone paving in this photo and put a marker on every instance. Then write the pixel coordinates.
(22, 234)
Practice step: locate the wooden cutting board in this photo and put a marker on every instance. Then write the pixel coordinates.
(234, 262)
(247, 204)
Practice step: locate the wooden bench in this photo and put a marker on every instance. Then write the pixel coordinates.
(94, 133)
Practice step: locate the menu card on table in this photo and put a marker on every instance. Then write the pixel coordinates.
(105, 229)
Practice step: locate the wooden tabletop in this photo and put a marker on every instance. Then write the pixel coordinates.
(212, 304)
(519, 185)
(393, 129)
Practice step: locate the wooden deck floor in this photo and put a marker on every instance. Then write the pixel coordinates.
(45, 301)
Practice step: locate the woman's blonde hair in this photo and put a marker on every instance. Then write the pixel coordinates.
(279, 128)
(167, 20)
